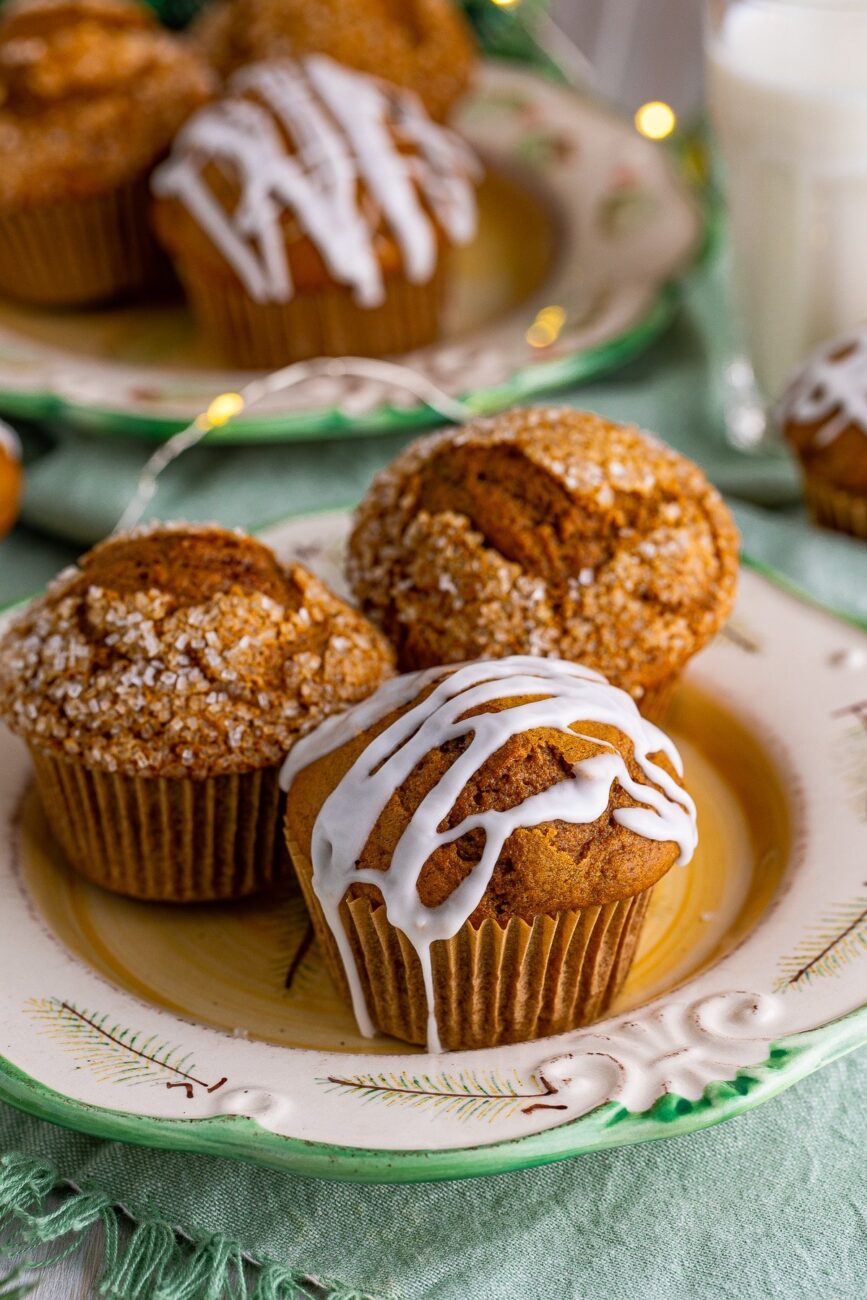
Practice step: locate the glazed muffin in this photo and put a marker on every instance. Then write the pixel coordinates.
(159, 685)
(310, 212)
(547, 531)
(422, 45)
(91, 94)
(823, 416)
(478, 846)
(11, 477)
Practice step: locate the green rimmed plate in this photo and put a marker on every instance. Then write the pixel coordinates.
(577, 211)
(216, 1029)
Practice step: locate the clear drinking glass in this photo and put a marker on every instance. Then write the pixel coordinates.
(787, 87)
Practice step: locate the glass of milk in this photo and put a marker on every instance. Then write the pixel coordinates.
(788, 101)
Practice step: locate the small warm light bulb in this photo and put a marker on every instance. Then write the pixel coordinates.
(656, 120)
(506, 4)
(546, 327)
(223, 409)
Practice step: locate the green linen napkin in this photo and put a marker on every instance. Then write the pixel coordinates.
(769, 1205)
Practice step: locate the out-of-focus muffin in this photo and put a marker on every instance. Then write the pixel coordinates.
(11, 477)
(547, 531)
(91, 94)
(310, 212)
(159, 685)
(477, 848)
(823, 416)
(423, 45)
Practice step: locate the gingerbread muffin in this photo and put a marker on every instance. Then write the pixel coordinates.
(547, 531)
(823, 416)
(422, 45)
(310, 213)
(478, 846)
(91, 94)
(11, 477)
(159, 685)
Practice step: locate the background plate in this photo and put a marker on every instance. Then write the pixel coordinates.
(178, 1031)
(577, 211)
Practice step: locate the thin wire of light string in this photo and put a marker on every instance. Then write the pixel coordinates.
(389, 372)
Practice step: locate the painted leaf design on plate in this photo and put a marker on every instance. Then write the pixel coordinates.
(115, 1053)
(465, 1094)
(840, 939)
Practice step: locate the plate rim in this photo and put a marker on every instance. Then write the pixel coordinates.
(331, 421)
(789, 1059)
(607, 1127)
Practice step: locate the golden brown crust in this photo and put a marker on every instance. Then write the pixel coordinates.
(424, 45)
(91, 94)
(546, 531)
(11, 479)
(842, 462)
(183, 651)
(541, 870)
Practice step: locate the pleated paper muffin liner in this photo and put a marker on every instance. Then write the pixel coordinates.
(76, 251)
(493, 983)
(166, 839)
(834, 507)
(655, 701)
(327, 322)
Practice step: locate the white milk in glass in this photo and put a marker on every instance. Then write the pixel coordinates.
(788, 95)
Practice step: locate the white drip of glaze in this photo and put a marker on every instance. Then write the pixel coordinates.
(346, 129)
(567, 692)
(830, 389)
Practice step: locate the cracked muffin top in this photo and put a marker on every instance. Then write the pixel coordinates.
(823, 412)
(546, 531)
(183, 650)
(91, 94)
(422, 45)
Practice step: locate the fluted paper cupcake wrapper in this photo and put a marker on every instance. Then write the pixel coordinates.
(493, 983)
(655, 701)
(81, 250)
(834, 507)
(166, 839)
(327, 322)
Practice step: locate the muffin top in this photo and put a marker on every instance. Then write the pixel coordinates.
(515, 787)
(823, 412)
(548, 531)
(91, 93)
(423, 45)
(183, 650)
(309, 173)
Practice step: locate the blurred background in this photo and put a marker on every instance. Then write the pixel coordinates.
(641, 49)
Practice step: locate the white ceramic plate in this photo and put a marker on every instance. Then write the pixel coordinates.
(217, 1029)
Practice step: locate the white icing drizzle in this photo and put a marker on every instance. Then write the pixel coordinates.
(569, 693)
(9, 441)
(830, 389)
(346, 129)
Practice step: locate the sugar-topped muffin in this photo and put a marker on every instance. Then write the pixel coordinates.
(159, 684)
(423, 45)
(478, 846)
(91, 94)
(11, 477)
(547, 531)
(823, 416)
(310, 212)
